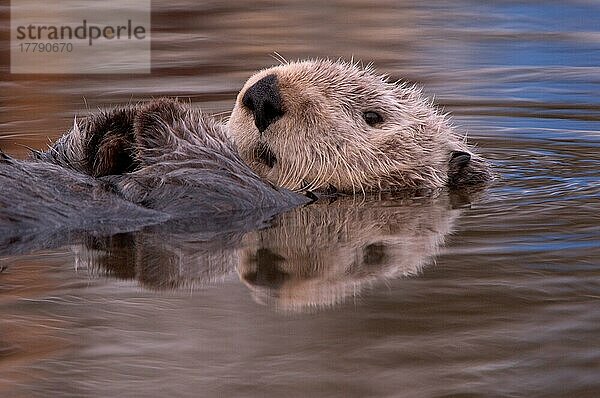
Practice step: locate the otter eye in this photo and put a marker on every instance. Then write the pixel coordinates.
(372, 118)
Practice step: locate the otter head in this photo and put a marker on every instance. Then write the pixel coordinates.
(323, 125)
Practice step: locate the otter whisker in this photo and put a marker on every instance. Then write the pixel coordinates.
(284, 172)
(314, 183)
(349, 170)
(323, 164)
(279, 58)
(287, 173)
(336, 157)
(318, 159)
(307, 169)
(329, 157)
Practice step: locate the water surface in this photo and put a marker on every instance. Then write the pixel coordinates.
(492, 295)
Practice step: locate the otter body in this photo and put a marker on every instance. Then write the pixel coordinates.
(166, 156)
(127, 168)
(300, 127)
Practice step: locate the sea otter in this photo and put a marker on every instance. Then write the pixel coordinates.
(324, 125)
(297, 128)
(304, 126)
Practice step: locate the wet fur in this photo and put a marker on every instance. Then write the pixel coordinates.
(44, 205)
(167, 156)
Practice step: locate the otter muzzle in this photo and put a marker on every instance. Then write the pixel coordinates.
(264, 100)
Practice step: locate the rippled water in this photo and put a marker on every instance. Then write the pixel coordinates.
(494, 295)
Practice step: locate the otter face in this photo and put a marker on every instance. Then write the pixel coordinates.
(323, 125)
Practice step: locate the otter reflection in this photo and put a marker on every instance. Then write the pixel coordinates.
(317, 256)
(309, 258)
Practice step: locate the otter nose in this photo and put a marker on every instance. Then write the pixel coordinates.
(264, 100)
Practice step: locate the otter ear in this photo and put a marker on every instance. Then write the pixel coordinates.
(457, 167)
(465, 169)
(459, 159)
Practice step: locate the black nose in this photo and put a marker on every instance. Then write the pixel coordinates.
(264, 100)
